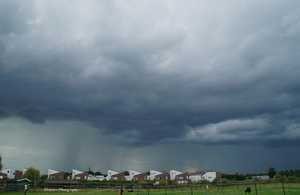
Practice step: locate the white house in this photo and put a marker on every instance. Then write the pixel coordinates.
(196, 176)
(110, 173)
(10, 172)
(153, 174)
(79, 175)
(173, 173)
(132, 173)
(211, 175)
(50, 172)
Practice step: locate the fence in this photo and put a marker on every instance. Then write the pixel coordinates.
(225, 188)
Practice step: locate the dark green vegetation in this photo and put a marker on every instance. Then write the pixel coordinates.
(261, 188)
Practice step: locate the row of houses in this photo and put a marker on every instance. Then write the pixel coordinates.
(155, 176)
(10, 173)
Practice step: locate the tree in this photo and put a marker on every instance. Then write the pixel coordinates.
(292, 173)
(286, 173)
(1, 165)
(66, 174)
(98, 173)
(216, 180)
(281, 173)
(126, 173)
(175, 182)
(272, 172)
(292, 179)
(32, 174)
(91, 172)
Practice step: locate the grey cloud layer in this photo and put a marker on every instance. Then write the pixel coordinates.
(205, 72)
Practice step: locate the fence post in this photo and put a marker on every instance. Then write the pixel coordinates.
(222, 188)
(192, 190)
(283, 188)
(255, 189)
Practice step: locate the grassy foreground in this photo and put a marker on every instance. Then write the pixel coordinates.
(262, 189)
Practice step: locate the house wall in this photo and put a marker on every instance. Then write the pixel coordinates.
(140, 177)
(75, 172)
(18, 174)
(10, 172)
(132, 173)
(173, 173)
(59, 175)
(81, 176)
(182, 178)
(119, 176)
(153, 174)
(110, 173)
(209, 176)
(164, 176)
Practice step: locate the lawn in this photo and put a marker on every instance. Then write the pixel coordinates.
(262, 189)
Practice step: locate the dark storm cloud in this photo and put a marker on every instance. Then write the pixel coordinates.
(157, 74)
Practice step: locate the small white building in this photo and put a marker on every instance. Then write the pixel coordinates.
(131, 174)
(173, 173)
(10, 172)
(211, 175)
(153, 174)
(95, 177)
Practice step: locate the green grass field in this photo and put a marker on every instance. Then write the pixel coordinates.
(262, 189)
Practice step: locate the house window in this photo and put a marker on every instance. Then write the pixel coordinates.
(166, 177)
(180, 177)
(60, 177)
(187, 177)
(84, 177)
(77, 178)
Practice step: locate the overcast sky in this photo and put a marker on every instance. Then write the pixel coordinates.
(150, 85)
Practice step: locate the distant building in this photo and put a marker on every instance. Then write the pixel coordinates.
(140, 177)
(16, 184)
(79, 175)
(53, 174)
(164, 176)
(173, 174)
(3, 175)
(153, 174)
(61, 184)
(132, 173)
(110, 173)
(10, 172)
(196, 176)
(183, 178)
(211, 175)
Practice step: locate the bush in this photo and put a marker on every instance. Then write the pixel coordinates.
(216, 180)
(281, 179)
(163, 182)
(292, 179)
(256, 179)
